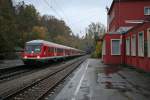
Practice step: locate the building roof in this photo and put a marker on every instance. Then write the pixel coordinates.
(117, 1)
(145, 20)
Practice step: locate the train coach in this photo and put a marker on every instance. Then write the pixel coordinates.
(40, 51)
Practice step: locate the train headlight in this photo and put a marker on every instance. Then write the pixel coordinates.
(38, 57)
(25, 57)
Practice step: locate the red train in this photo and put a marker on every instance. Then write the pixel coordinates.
(43, 51)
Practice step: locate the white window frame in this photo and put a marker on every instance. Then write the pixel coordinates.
(148, 10)
(119, 47)
(128, 46)
(133, 45)
(148, 42)
(140, 49)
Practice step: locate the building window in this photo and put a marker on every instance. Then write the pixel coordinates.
(147, 11)
(128, 46)
(133, 45)
(148, 41)
(115, 47)
(104, 48)
(141, 44)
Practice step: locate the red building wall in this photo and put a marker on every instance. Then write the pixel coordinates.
(115, 59)
(136, 61)
(127, 10)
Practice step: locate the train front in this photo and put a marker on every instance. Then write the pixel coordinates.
(32, 53)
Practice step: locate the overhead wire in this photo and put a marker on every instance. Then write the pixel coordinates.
(57, 12)
(61, 10)
(54, 10)
(64, 14)
(87, 18)
(49, 4)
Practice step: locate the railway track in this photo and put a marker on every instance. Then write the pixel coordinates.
(37, 89)
(9, 73)
(18, 71)
(15, 72)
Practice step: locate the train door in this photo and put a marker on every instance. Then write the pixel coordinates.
(55, 51)
(44, 51)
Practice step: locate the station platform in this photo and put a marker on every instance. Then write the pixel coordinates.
(95, 81)
(4, 64)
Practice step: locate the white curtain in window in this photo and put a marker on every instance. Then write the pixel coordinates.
(141, 44)
(133, 45)
(128, 46)
(104, 48)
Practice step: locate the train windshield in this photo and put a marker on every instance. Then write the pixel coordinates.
(33, 49)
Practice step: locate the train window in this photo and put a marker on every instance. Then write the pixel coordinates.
(60, 50)
(33, 48)
(51, 49)
(37, 49)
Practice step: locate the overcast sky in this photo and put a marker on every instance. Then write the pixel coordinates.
(77, 14)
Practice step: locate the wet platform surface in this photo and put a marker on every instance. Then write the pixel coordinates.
(96, 81)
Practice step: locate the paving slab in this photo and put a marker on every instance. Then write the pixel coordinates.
(96, 81)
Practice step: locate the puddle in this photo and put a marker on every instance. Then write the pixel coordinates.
(120, 86)
(71, 85)
(111, 69)
(85, 93)
(108, 85)
(86, 97)
(86, 90)
(99, 70)
(107, 77)
(105, 72)
(90, 66)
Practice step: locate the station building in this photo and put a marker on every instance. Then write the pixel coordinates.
(127, 40)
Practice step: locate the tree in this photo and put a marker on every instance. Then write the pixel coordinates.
(38, 32)
(22, 23)
(94, 32)
(55, 27)
(7, 26)
(27, 18)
